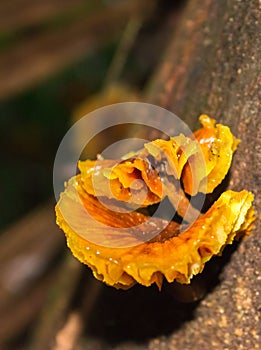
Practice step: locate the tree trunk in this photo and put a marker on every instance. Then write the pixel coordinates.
(212, 66)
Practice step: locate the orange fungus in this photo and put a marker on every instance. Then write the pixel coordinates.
(105, 210)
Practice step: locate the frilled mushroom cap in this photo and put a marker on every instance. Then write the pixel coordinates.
(99, 210)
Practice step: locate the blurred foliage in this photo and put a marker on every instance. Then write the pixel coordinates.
(61, 19)
(31, 128)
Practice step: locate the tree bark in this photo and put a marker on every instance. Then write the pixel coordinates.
(212, 66)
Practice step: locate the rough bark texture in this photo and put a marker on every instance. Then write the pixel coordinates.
(213, 67)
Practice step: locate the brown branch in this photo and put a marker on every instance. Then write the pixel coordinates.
(35, 59)
(16, 317)
(26, 251)
(68, 337)
(59, 295)
(17, 14)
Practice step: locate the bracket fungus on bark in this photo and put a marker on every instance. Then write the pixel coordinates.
(103, 209)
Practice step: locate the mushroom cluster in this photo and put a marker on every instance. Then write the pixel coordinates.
(106, 210)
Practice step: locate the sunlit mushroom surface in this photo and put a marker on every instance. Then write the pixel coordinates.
(105, 210)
